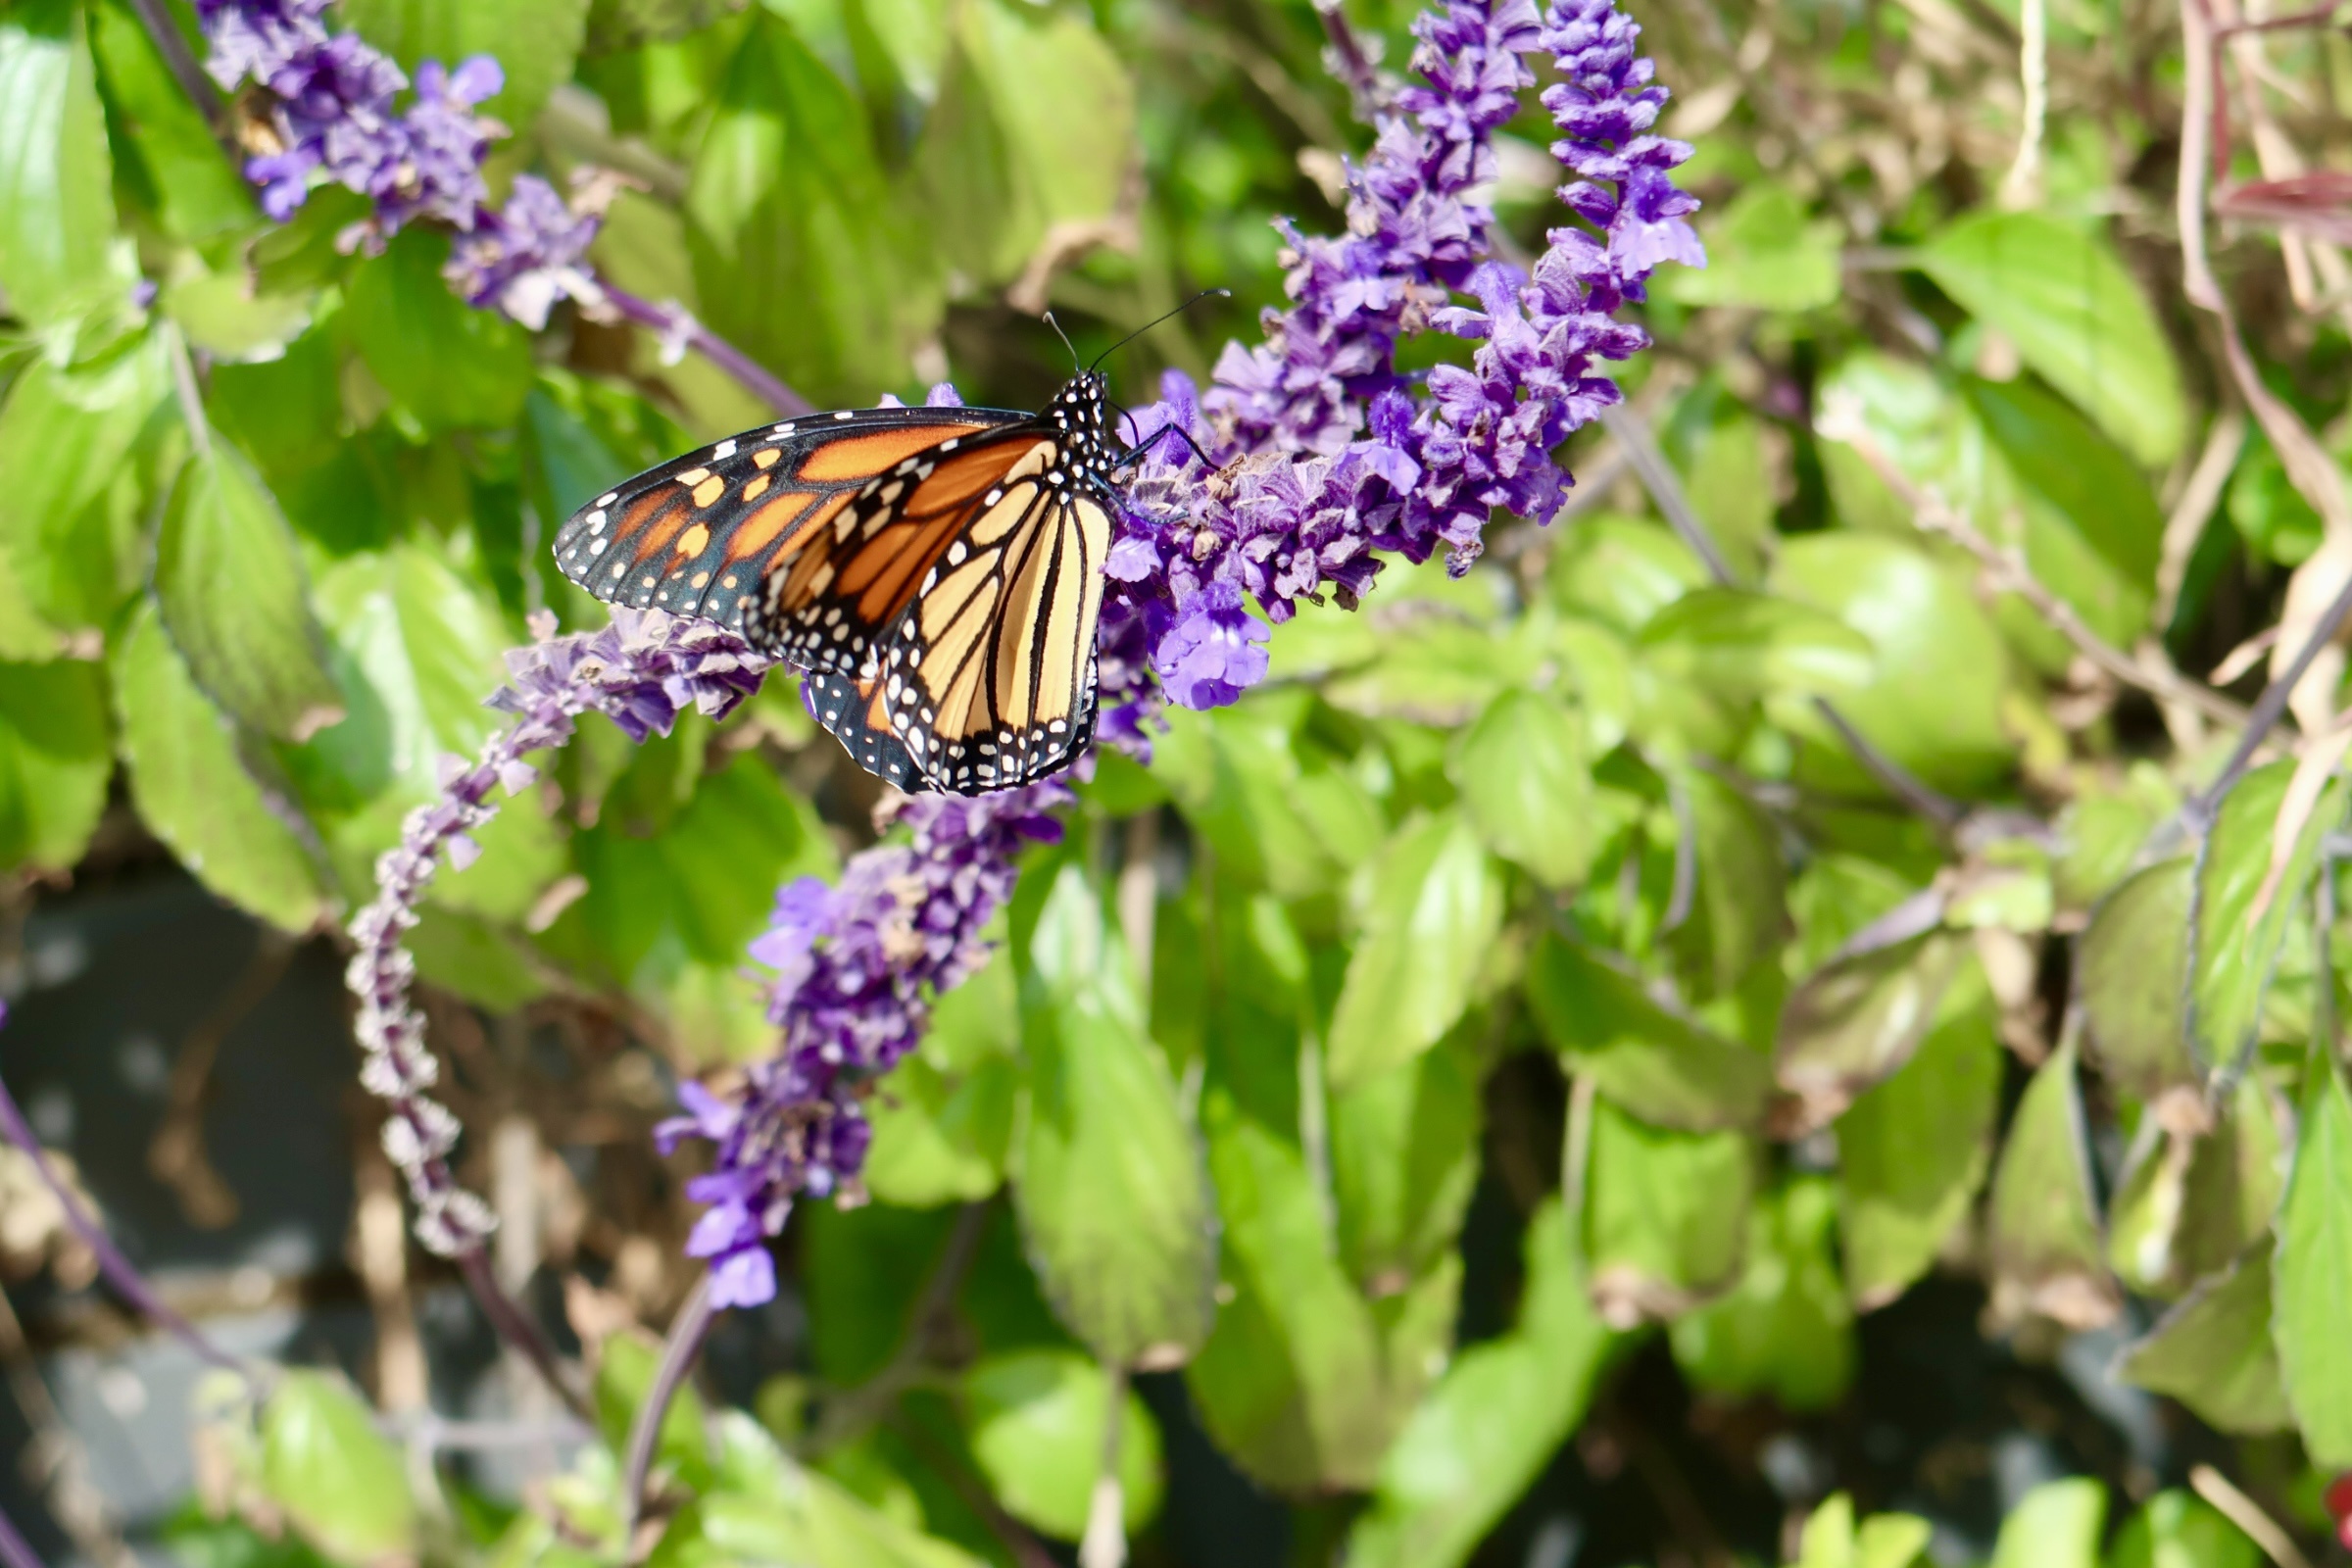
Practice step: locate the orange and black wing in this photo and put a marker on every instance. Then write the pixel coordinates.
(697, 535)
(853, 711)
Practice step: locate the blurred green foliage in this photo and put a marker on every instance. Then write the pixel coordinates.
(1560, 895)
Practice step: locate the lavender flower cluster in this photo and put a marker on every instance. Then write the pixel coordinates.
(642, 671)
(854, 970)
(1331, 459)
(332, 108)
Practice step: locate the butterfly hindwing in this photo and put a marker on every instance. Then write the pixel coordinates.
(858, 718)
(697, 535)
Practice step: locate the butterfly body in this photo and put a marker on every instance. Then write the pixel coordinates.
(937, 572)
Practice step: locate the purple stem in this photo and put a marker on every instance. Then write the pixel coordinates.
(116, 1268)
(679, 1351)
(15, 1552)
(717, 350)
(514, 1326)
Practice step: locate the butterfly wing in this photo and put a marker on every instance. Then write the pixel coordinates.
(853, 711)
(696, 535)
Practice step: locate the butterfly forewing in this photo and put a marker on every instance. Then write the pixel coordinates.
(697, 535)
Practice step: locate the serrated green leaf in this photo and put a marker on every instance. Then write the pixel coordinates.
(2076, 317)
(55, 760)
(1665, 1218)
(1913, 1148)
(1785, 1329)
(1431, 907)
(444, 362)
(198, 191)
(1488, 1428)
(1035, 1420)
(230, 586)
(2213, 1353)
(1236, 776)
(1750, 644)
(1668, 1069)
(58, 255)
(64, 440)
(1109, 1188)
(940, 1139)
(339, 1479)
(1527, 786)
(2042, 1230)
(1741, 882)
(2312, 1271)
(2132, 974)
(193, 791)
(2240, 928)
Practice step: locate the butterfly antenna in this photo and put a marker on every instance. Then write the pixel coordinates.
(1065, 339)
(1207, 293)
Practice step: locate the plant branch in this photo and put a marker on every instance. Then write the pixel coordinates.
(2156, 676)
(677, 328)
(1105, 1542)
(860, 1406)
(2270, 707)
(2248, 1515)
(679, 1349)
(117, 1269)
(514, 1326)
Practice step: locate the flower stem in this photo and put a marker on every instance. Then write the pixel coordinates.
(514, 1326)
(717, 350)
(2270, 706)
(156, 16)
(117, 1269)
(687, 1332)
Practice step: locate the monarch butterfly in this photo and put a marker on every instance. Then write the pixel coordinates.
(937, 572)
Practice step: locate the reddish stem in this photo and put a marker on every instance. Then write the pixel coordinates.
(717, 350)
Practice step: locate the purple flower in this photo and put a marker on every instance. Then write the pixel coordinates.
(528, 255)
(1210, 656)
(856, 969)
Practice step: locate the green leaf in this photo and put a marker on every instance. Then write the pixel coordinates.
(1665, 1218)
(1431, 906)
(2131, 969)
(1666, 1068)
(2214, 1352)
(55, 760)
(1885, 1541)
(2094, 492)
(1303, 1382)
(2076, 317)
(1237, 776)
(1763, 253)
(1622, 571)
(58, 255)
(1036, 1418)
(1935, 705)
(2056, 1525)
(1748, 644)
(1110, 1191)
(2042, 1230)
(1491, 1422)
(534, 43)
(194, 793)
(2182, 1530)
(444, 363)
(2190, 1203)
(198, 191)
(2238, 934)
(770, 1509)
(1785, 1329)
(940, 1139)
(339, 1479)
(1034, 127)
(1404, 1164)
(1741, 880)
(66, 439)
(1527, 786)
(625, 1364)
(789, 201)
(1860, 1016)
(1913, 1148)
(2312, 1271)
(230, 583)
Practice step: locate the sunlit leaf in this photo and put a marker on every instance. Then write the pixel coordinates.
(2214, 1352)
(1762, 251)
(55, 759)
(2075, 314)
(2056, 1525)
(2132, 973)
(1859, 1017)
(1785, 1329)
(2182, 1530)
(1665, 1216)
(57, 206)
(2243, 909)
(2041, 1231)
(533, 41)
(2312, 1272)
(1526, 786)
(444, 363)
(1666, 1068)
(1430, 910)
(337, 1478)
(1036, 1422)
